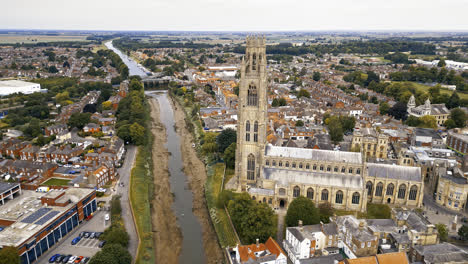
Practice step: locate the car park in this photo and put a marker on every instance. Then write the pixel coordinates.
(53, 258)
(75, 240)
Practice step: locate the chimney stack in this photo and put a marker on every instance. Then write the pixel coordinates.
(300, 223)
(257, 242)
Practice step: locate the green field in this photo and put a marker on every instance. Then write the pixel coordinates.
(56, 182)
(425, 88)
(14, 38)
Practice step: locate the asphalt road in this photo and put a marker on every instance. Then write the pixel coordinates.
(124, 173)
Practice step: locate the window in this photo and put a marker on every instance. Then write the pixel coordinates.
(368, 244)
(314, 167)
(378, 189)
(310, 193)
(296, 191)
(280, 164)
(325, 195)
(264, 200)
(247, 131)
(363, 244)
(287, 164)
(356, 197)
(256, 131)
(307, 166)
(321, 167)
(350, 170)
(300, 165)
(328, 168)
(390, 188)
(343, 170)
(267, 162)
(413, 192)
(251, 167)
(402, 191)
(273, 163)
(270, 201)
(358, 171)
(369, 188)
(335, 169)
(282, 191)
(254, 62)
(339, 197)
(252, 98)
(294, 164)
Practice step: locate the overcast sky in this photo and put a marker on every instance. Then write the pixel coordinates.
(235, 15)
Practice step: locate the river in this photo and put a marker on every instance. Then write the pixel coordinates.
(192, 242)
(133, 67)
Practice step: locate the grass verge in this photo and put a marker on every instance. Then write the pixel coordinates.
(141, 194)
(56, 182)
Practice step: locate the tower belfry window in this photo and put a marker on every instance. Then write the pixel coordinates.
(251, 167)
(254, 62)
(252, 97)
(247, 131)
(256, 131)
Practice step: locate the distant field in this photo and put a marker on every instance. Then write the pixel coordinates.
(56, 182)
(425, 88)
(13, 38)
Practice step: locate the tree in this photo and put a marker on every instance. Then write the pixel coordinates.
(116, 234)
(79, 120)
(443, 232)
(229, 156)
(225, 139)
(209, 143)
(459, 117)
(413, 121)
(316, 76)
(137, 133)
(102, 257)
(399, 111)
(335, 129)
(384, 107)
(107, 105)
(302, 208)
(299, 123)
(252, 220)
(463, 232)
(119, 253)
(441, 63)
(428, 121)
(303, 71)
(275, 102)
(449, 124)
(52, 69)
(325, 211)
(303, 93)
(135, 85)
(9, 255)
(453, 101)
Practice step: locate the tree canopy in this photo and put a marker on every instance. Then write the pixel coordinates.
(303, 209)
(9, 255)
(225, 139)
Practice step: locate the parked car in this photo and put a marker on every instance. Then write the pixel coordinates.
(107, 217)
(86, 234)
(53, 258)
(59, 259)
(66, 258)
(85, 260)
(78, 259)
(82, 234)
(72, 259)
(102, 243)
(75, 240)
(93, 235)
(89, 217)
(98, 234)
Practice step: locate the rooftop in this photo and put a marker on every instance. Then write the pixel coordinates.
(394, 171)
(314, 154)
(5, 186)
(30, 215)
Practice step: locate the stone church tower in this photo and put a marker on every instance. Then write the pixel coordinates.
(252, 114)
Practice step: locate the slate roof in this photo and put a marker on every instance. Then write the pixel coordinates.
(314, 154)
(442, 253)
(285, 177)
(394, 171)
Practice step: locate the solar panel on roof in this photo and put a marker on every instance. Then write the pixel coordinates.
(46, 218)
(36, 215)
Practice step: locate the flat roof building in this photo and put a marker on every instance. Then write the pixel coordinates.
(34, 221)
(17, 86)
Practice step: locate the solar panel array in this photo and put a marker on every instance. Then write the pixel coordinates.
(36, 215)
(46, 218)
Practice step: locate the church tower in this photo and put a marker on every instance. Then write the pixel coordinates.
(252, 114)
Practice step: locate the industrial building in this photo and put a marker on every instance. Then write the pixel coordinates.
(17, 86)
(34, 221)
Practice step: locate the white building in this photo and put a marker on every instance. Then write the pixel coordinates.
(17, 86)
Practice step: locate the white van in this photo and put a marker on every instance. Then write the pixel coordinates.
(106, 217)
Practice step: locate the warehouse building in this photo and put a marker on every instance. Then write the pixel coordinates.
(33, 222)
(17, 86)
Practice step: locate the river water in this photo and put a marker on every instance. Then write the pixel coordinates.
(133, 67)
(192, 243)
